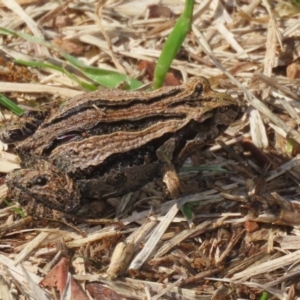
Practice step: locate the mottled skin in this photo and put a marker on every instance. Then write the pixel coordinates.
(111, 142)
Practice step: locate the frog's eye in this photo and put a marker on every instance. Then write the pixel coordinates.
(199, 89)
(39, 180)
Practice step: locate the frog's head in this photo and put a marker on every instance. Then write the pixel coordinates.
(45, 186)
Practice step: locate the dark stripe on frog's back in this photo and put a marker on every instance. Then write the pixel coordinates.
(124, 100)
(44, 141)
(94, 150)
(142, 155)
(116, 99)
(135, 117)
(83, 124)
(120, 150)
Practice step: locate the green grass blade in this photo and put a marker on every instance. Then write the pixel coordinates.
(39, 64)
(296, 2)
(173, 43)
(264, 296)
(15, 209)
(187, 211)
(106, 78)
(10, 105)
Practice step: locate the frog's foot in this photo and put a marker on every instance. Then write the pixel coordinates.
(171, 180)
(170, 176)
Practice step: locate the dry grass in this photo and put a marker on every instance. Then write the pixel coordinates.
(244, 237)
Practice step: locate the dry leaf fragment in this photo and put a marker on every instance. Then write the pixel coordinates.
(157, 11)
(69, 46)
(148, 68)
(293, 69)
(11, 72)
(100, 292)
(24, 2)
(251, 226)
(57, 278)
(121, 259)
(62, 21)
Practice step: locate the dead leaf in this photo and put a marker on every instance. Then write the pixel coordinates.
(148, 68)
(293, 70)
(100, 292)
(157, 11)
(57, 277)
(69, 46)
(251, 226)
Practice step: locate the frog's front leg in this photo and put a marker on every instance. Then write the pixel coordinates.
(169, 173)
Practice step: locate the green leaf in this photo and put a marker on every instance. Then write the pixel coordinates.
(39, 64)
(106, 78)
(15, 209)
(296, 2)
(11, 105)
(264, 296)
(173, 43)
(187, 211)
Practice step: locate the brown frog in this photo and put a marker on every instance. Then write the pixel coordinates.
(111, 142)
